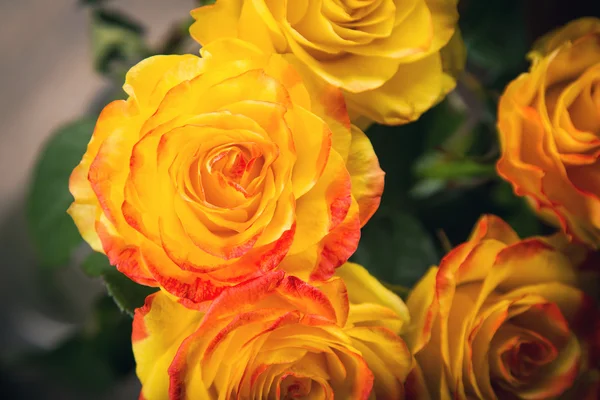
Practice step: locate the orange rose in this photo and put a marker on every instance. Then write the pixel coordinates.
(549, 123)
(501, 318)
(385, 55)
(218, 170)
(275, 337)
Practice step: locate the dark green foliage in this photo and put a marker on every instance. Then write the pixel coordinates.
(117, 42)
(396, 248)
(496, 37)
(52, 230)
(127, 294)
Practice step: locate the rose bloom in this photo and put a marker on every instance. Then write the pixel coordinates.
(275, 337)
(549, 124)
(501, 318)
(217, 170)
(393, 59)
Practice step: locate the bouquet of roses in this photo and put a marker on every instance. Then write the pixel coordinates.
(235, 184)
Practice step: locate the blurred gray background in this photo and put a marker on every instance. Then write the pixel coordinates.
(46, 80)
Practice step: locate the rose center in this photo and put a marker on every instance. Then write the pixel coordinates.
(236, 166)
(345, 25)
(525, 358)
(526, 347)
(227, 176)
(585, 110)
(295, 387)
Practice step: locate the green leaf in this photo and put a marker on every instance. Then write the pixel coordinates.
(127, 294)
(437, 166)
(205, 2)
(96, 265)
(427, 188)
(443, 121)
(515, 210)
(396, 248)
(53, 233)
(117, 43)
(397, 148)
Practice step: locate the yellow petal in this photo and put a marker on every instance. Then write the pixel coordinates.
(319, 260)
(370, 314)
(159, 327)
(387, 357)
(367, 177)
(85, 210)
(148, 81)
(410, 39)
(572, 31)
(400, 100)
(312, 141)
(444, 16)
(422, 306)
(326, 101)
(365, 288)
(315, 217)
(353, 73)
(205, 31)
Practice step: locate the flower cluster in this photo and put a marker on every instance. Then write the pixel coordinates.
(237, 183)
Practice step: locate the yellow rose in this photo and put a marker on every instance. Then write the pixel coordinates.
(219, 169)
(275, 337)
(501, 318)
(384, 54)
(549, 124)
